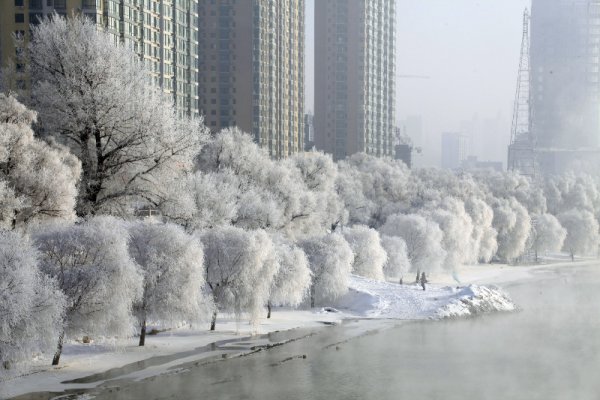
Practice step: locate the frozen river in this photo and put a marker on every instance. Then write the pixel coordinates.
(549, 350)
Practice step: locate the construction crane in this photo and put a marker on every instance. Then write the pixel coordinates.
(521, 152)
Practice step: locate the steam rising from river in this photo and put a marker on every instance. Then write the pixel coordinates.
(549, 350)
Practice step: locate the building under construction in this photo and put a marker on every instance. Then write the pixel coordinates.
(557, 108)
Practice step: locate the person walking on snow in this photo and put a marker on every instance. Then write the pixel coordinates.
(423, 280)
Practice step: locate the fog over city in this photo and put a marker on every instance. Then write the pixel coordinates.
(469, 52)
(300, 199)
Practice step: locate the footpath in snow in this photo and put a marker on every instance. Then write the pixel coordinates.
(366, 299)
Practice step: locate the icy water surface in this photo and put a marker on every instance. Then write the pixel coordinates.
(549, 350)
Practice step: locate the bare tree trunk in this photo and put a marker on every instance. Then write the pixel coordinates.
(13, 223)
(82, 207)
(213, 322)
(418, 276)
(59, 348)
(269, 309)
(572, 255)
(143, 334)
(401, 279)
(312, 297)
(536, 256)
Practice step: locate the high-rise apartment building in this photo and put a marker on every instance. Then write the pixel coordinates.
(354, 77)
(164, 33)
(565, 81)
(309, 132)
(454, 149)
(252, 70)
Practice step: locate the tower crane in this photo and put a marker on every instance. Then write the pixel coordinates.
(521, 151)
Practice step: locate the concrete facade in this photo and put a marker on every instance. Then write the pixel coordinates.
(164, 33)
(355, 77)
(252, 70)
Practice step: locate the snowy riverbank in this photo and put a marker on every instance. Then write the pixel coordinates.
(365, 299)
(370, 299)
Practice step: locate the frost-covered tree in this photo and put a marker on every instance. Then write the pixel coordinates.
(513, 224)
(583, 194)
(398, 262)
(330, 259)
(381, 190)
(484, 243)
(91, 263)
(583, 232)
(570, 191)
(547, 234)
(172, 265)
(31, 305)
(38, 181)
(489, 245)
(369, 254)
(96, 98)
(350, 189)
(266, 194)
(203, 201)
(292, 281)
(319, 173)
(423, 240)
(457, 227)
(512, 184)
(235, 150)
(236, 183)
(239, 269)
(431, 185)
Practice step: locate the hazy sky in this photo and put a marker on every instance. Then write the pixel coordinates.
(470, 51)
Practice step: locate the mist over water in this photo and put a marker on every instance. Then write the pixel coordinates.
(549, 350)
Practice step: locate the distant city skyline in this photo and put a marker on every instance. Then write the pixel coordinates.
(469, 49)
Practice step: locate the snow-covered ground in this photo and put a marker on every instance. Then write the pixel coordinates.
(365, 299)
(373, 299)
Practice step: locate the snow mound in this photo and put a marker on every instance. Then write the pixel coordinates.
(476, 300)
(373, 299)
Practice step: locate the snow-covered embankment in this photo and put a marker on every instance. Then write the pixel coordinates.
(372, 299)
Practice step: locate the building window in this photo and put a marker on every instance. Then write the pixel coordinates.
(18, 3)
(35, 18)
(19, 18)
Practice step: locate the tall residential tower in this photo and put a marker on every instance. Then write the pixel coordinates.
(252, 70)
(355, 77)
(164, 33)
(565, 82)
